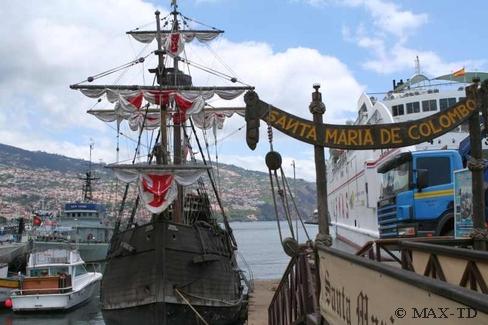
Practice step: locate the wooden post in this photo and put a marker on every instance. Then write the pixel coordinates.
(317, 108)
(476, 165)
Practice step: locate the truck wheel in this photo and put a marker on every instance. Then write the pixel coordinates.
(449, 233)
(446, 225)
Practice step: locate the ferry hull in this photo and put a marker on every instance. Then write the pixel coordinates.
(355, 238)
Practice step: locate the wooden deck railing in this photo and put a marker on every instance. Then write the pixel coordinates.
(295, 300)
(439, 256)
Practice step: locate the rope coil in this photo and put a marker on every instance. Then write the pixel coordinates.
(476, 164)
(479, 234)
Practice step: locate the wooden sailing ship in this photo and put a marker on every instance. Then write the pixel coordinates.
(180, 268)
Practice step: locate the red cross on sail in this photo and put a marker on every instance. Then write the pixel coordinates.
(157, 188)
(174, 44)
(136, 101)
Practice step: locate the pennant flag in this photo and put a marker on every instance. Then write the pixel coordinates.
(36, 221)
(459, 73)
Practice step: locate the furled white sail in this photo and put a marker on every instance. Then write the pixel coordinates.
(174, 43)
(189, 102)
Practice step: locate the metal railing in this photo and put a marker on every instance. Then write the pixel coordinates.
(21, 292)
(296, 299)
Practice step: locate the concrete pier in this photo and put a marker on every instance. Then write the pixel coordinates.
(260, 300)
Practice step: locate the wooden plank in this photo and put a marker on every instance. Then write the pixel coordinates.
(370, 285)
(359, 137)
(39, 285)
(9, 283)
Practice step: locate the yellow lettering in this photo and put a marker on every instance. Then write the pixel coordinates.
(292, 124)
(471, 104)
(424, 130)
(273, 116)
(453, 116)
(305, 127)
(411, 134)
(463, 110)
(433, 128)
(444, 121)
(342, 137)
(312, 134)
(368, 138)
(352, 135)
(330, 135)
(395, 135)
(281, 121)
(385, 136)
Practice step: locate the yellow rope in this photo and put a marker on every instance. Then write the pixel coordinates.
(192, 308)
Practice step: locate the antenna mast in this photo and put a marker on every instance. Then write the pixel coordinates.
(87, 194)
(417, 65)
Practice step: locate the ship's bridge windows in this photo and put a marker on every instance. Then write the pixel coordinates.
(397, 110)
(429, 105)
(413, 107)
(444, 103)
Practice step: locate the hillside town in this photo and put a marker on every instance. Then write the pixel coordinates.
(25, 189)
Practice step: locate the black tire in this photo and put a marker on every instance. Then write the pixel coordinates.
(446, 225)
(449, 233)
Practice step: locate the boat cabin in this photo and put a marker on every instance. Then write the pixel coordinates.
(52, 271)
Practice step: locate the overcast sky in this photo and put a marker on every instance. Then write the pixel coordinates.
(281, 47)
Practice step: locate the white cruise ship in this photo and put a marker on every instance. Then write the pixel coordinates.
(353, 182)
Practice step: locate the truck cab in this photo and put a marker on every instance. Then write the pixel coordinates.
(416, 197)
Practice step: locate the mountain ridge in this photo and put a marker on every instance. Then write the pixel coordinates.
(30, 177)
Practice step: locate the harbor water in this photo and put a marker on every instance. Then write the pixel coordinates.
(259, 244)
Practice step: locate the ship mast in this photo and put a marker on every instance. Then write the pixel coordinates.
(170, 82)
(178, 206)
(87, 194)
(163, 155)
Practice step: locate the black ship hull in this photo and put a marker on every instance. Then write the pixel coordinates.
(154, 272)
(152, 314)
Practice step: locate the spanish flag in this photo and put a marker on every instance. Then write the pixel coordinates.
(458, 73)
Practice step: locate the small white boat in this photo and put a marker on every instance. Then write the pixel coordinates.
(56, 279)
(7, 283)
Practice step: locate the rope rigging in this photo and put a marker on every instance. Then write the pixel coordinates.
(116, 69)
(226, 221)
(273, 162)
(122, 204)
(212, 71)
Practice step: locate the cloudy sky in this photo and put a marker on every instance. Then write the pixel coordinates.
(281, 47)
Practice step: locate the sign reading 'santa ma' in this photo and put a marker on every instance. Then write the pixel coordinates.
(370, 136)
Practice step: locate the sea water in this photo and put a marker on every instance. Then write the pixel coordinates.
(259, 245)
